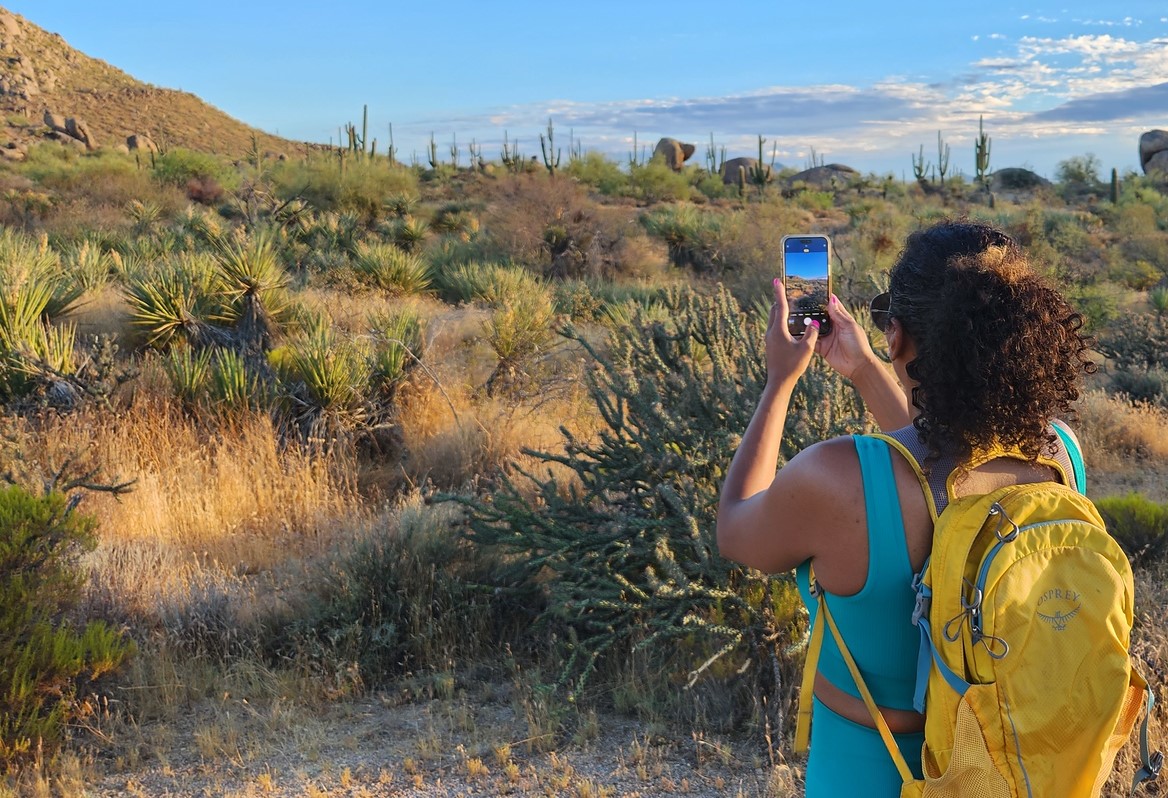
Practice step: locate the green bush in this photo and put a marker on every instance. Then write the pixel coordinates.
(46, 662)
(595, 170)
(178, 167)
(692, 235)
(364, 186)
(656, 182)
(1138, 524)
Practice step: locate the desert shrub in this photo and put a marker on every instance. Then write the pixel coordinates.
(554, 228)
(1099, 302)
(182, 168)
(1136, 342)
(1119, 434)
(692, 235)
(363, 186)
(46, 662)
(1138, 524)
(656, 182)
(407, 595)
(492, 284)
(575, 299)
(598, 171)
(618, 557)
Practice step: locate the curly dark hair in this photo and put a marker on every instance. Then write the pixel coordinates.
(1000, 352)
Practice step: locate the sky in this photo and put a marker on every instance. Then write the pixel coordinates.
(856, 82)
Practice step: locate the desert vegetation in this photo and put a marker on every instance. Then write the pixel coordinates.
(283, 437)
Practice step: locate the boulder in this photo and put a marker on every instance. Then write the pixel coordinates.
(1152, 144)
(1157, 163)
(833, 175)
(1016, 179)
(140, 141)
(674, 152)
(80, 131)
(12, 154)
(55, 121)
(730, 169)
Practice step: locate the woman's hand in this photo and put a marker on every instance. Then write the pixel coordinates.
(786, 357)
(846, 349)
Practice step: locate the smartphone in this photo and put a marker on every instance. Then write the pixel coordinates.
(807, 281)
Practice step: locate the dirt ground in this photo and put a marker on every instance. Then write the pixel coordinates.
(434, 748)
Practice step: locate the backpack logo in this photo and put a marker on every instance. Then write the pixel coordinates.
(1058, 615)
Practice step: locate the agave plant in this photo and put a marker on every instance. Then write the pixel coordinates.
(199, 225)
(390, 268)
(401, 205)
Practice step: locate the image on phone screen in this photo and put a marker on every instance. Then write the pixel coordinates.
(807, 282)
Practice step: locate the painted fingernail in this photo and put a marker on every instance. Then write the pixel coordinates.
(776, 282)
(815, 324)
(834, 299)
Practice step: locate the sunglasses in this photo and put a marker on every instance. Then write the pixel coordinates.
(879, 311)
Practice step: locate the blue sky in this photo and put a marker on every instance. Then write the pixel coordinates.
(862, 83)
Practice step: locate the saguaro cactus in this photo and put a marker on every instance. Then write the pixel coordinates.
(981, 152)
(921, 167)
(942, 158)
(1114, 186)
(551, 156)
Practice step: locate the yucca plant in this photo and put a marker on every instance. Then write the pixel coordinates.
(229, 385)
(31, 276)
(199, 225)
(88, 264)
(516, 331)
(328, 377)
(493, 284)
(180, 300)
(144, 215)
(188, 370)
(391, 268)
(401, 205)
(409, 233)
(256, 286)
(397, 345)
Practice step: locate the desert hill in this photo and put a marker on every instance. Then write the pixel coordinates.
(40, 73)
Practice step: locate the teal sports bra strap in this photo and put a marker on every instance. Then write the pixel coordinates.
(886, 542)
(1076, 455)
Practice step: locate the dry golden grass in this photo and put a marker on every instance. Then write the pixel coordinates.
(210, 505)
(1125, 446)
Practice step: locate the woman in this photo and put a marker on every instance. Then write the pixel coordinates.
(983, 353)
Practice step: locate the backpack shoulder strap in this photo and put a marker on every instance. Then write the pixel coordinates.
(802, 730)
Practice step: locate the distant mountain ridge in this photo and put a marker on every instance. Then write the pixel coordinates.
(40, 72)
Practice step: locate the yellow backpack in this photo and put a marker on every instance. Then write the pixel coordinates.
(1025, 610)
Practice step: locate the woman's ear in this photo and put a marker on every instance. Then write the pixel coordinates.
(900, 346)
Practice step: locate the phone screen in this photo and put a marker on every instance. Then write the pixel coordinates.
(807, 281)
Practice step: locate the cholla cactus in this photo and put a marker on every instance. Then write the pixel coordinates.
(622, 554)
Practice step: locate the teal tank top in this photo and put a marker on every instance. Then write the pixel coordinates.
(876, 623)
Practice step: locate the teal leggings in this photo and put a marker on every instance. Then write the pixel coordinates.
(848, 759)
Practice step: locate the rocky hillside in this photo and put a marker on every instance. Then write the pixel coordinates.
(44, 82)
